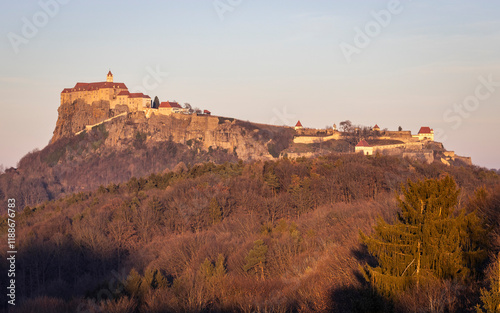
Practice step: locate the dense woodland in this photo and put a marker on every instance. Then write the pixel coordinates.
(84, 162)
(276, 236)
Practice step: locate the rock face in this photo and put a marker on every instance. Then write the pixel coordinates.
(73, 117)
(202, 132)
(94, 145)
(197, 132)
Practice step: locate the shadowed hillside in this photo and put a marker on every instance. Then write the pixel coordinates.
(278, 236)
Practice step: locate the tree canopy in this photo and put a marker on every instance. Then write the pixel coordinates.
(430, 239)
(156, 102)
(256, 258)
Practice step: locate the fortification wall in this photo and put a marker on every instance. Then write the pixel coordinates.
(89, 127)
(414, 145)
(314, 132)
(404, 134)
(296, 155)
(466, 160)
(316, 139)
(394, 146)
(423, 156)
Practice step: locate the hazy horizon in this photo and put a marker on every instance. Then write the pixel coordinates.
(407, 63)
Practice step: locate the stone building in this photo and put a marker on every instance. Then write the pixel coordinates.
(135, 101)
(364, 147)
(169, 107)
(425, 133)
(115, 93)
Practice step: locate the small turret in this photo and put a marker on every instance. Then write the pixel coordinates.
(109, 78)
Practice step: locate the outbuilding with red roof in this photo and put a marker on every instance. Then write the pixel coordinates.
(364, 147)
(169, 107)
(425, 133)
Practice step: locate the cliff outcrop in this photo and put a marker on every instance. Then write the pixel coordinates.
(94, 145)
(244, 140)
(73, 117)
(201, 132)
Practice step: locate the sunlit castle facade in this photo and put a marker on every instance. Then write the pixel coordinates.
(115, 93)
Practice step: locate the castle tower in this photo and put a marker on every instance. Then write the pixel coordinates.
(109, 78)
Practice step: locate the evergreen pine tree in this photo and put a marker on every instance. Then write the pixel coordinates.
(206, 270)
(220, 269)
(156, 103)
(428, 241)
(301, 194)
(272, 181)
(256, 258)
(133, 284)
(215, 211)
(211, 276)
(153, 279)
(157, 208)
(491, 298)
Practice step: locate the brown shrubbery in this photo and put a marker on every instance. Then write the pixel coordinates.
(83, 163)
(194, 240)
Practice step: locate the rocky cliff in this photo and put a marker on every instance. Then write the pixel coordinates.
(73, 117)
(119, 145)
(202, 132)
(93, 145)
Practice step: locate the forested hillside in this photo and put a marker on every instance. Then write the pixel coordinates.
(263, 236)
(84, 162)
(131, 146)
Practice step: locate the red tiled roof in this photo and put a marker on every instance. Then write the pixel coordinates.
(124, 93)
(169, 104)
(363, 143)
(424, 130)
(376, 126)
(207, 112)
(109, 73)
(138, 95)
(299, 124)
(95, 86)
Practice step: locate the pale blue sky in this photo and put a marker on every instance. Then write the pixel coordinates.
(263, 61)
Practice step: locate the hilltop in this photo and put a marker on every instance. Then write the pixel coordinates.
(105, 134)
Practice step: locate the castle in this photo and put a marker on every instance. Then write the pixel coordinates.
(306, 141)
(115, 93)
(404, 143)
